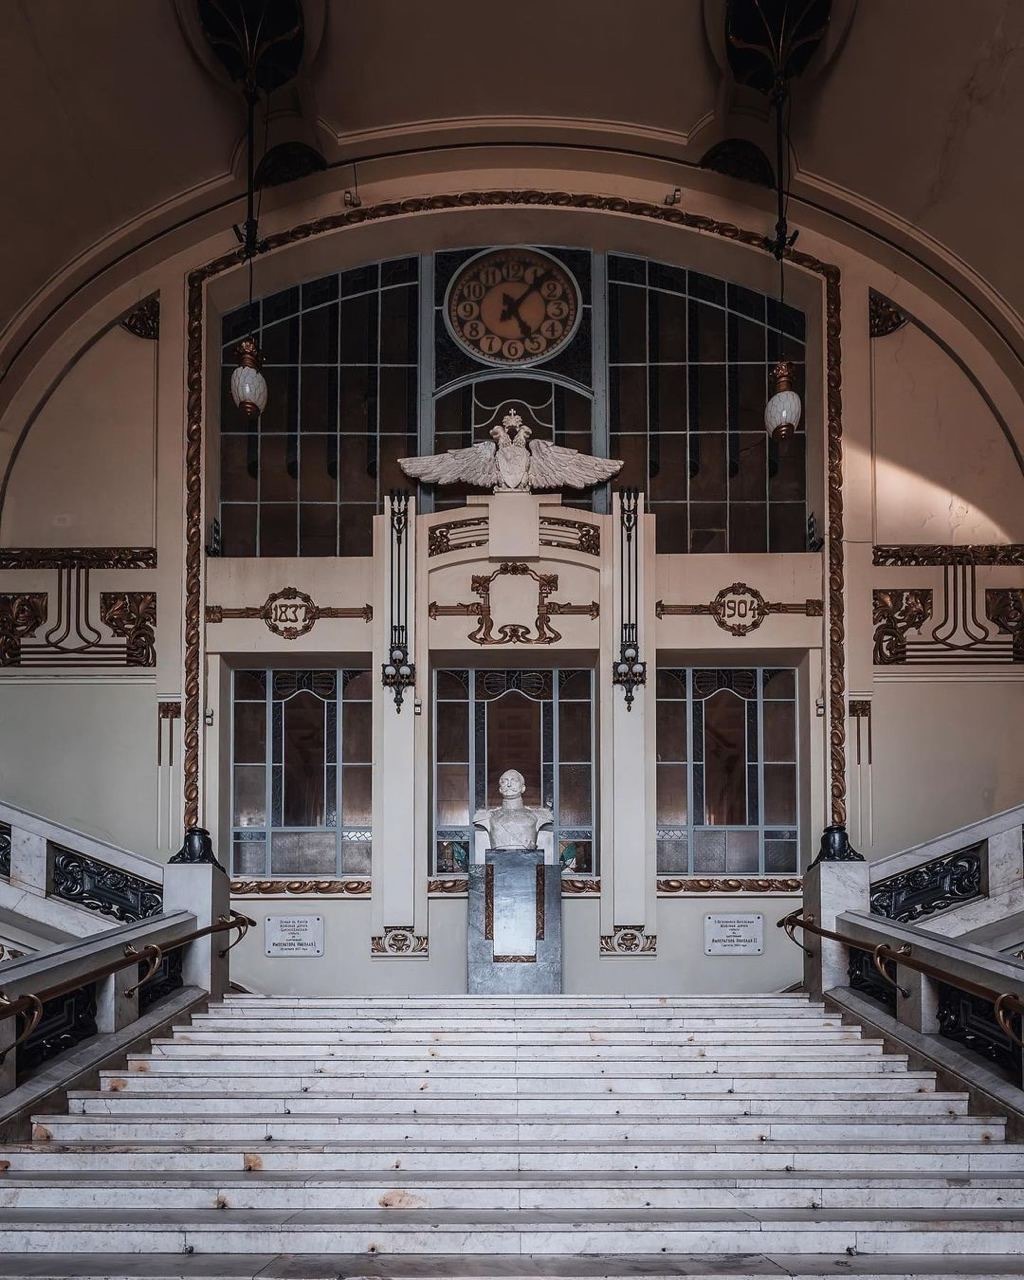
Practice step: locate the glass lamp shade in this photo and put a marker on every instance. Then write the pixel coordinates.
(248, 385)
(782, 412)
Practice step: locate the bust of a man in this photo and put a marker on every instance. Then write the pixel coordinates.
(513, 825)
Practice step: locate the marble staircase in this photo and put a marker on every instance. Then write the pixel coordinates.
(581, 1136)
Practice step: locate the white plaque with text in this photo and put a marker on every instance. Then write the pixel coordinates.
(734, 933)
(294, 935)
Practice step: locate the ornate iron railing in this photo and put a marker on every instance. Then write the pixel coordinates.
(5, 850)
(933, 886)
(97, 886)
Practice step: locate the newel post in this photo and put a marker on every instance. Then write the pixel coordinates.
(195, 881)
(837, 880)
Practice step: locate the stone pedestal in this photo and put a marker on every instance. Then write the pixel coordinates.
(515, 925)
(830, 888)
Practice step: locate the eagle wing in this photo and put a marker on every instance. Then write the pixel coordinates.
(554, 467)
(475, 465)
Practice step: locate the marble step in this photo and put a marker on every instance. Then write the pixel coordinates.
(885, 1231)
(795, 1127)
(446, 1003)
(235, 1047)
(786, 1066)
(516, 1026)
(220, 1190)
(342, 1083)
(947, 1157)
(783, 1034)
(224, 1104)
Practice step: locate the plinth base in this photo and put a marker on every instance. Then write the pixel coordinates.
(515, 924)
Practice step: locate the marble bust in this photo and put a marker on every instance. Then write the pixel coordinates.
(512, 825)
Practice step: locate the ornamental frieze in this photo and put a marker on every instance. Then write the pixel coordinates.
(739, 609)
(288, 613)
(541, 632)
(629, 940)
(399, 940)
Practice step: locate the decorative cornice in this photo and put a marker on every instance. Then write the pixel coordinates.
(927, 555)
(144, 318)
(884, 316)
(671, 888)
(670, 215)
(77, 557)
(302, 888)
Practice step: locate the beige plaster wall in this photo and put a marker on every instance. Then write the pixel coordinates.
(84, 475)
(943, 469)
(82, 752)
(680, 966)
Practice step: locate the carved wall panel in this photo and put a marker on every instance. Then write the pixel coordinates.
(894, 613)
(629, 940)
(399, 940)
(739, 609)
(288, 613)
(542, 632)
(21, 616)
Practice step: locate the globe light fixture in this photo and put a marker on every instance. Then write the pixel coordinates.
(782, 412)
(248, 385)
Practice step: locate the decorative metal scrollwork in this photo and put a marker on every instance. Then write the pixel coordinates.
(166, 979)
(894, 613)
(99, 887)
(398, 673)
(630, 671)
(62, 1023)
(972, 1022)
(865, 978)
(933, 886)
(5, 850)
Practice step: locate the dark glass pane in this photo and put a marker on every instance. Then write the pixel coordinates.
(319, 291)
(779, 683)
(667, 385)
(303, 761)
(238, 460)
(358, 686)
(278, 469)
(575, 684)
(356, 857)
(578, 855)
(285, 303)
(318, 468)
(279, 342)
(574, 731)
(671, 528)
(673, 857)
(250, 796)
(398, 326)
(662, 276)
(747, 478)
(397, 401)
(786, 478)
(320, 336)
(748, 527)
(452, 684)
(671, 682)
(355, 530)
(668, 327)
(780, 731)
(399, 271)
(628, 399)
(318, 530)
(573, 795)
(708, 852)
(671, 807)
(706, 333)
(357, 468)
(278, 532)
(627, 325)
(632, 270)
(282, 411)
(360, 279)
(451, 732)
(710, 407)
(741, 852)
(250, 685)
(318, 403)
(668, 468)
(357, 795)
(708, 527)
(310, 853)
(708, 482)
(631, 450)
(452, 795)
(749, 335)
(513, 742)
(249, 858)
(238, 529)
(750, 383)
(251, 732)
(787, 526)
(357, 400)
(356, 733)
(671, 730)
(359, 330)
(725, 757)
(780, 793)
(391, 449)
(780, 857)
(451, 856)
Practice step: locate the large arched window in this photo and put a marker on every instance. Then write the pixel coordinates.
(664, 367)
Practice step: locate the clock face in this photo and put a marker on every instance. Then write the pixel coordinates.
(512, 306)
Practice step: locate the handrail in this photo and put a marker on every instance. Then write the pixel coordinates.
(883, 953)
(33, 1003)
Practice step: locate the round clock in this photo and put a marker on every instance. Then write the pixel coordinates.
(512, 306)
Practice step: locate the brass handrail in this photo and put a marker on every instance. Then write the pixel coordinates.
(10, 1008)
(1001, 1001)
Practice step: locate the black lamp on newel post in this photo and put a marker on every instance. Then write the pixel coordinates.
(197, 847)
(835, 846)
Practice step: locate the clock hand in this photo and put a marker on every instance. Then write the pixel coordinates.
(510, 308)
(538, 282)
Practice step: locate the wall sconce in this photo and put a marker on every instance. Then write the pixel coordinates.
(629, 671)
(398, 673)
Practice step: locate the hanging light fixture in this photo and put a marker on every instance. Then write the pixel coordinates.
(259, 43)
(769, 44)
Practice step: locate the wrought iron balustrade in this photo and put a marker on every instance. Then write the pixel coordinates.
(933, 886)
(97, 886)
(5, 850)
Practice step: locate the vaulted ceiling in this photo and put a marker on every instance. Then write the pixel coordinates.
(114, 130)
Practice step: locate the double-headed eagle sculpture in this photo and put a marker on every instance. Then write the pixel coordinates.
(512, 463)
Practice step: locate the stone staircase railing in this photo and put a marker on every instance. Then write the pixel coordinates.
(958, 882)
(58, 883)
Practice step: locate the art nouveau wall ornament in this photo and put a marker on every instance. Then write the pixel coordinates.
(399, 940)
(78, 558)
(398, 672)
(513, 632)
(884, 316)
(132, 615)
(629, 940)
(959, 635)
(303, 888)
(894, 612)
(143, 320)
(630, 671)
(739, 609)
(575, 535)
(288, 613)
(21, 615)
(511, 463)
(677, 886)
(643, 211)
(73, 640)
(1005, 607)
(915, 555)
(860, 711)
(457, 534)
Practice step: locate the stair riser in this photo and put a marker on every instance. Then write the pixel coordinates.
(506, 1054)
(507, 1026)
(253, 1038)
(166, 1064)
